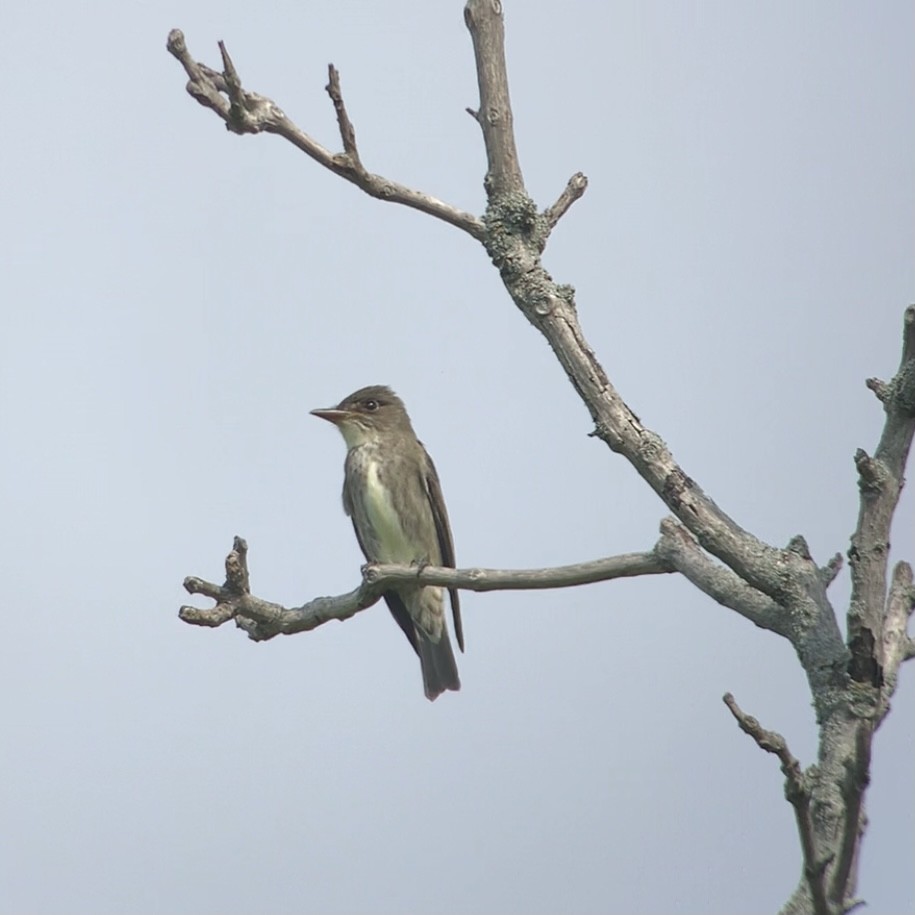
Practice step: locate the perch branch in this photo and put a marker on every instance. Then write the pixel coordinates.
(797, 793)
(263, 619)
(247, 112)
(626, 565)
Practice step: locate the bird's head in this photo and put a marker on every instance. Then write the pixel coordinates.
(367, 415)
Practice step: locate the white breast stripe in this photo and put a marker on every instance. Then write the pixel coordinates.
(389, 535)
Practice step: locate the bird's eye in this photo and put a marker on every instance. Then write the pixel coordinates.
(371, 405)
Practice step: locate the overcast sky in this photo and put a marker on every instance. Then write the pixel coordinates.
(176, 298)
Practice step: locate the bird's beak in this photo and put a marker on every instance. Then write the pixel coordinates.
(331, 414)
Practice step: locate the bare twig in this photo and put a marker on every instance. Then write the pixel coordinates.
(247, 112)
(484, 20)
(573, 191)
(830, 571)
(238, 103)
(900, 604)
(347, 131)
(626, 565)
(880, 388)
(798, 794)
(264, 619)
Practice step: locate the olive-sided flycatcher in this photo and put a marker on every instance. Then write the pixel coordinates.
(392, 493)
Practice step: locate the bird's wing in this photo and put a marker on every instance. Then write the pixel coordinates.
(401, 615)
(349, 508)
(445, 542)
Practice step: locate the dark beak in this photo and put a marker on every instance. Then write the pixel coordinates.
(331, 414)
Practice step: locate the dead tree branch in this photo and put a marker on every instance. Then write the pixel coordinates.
(247, 112)
(880, 481)
(897, 646)
(573, 191)
(515, 238)
(263, 619)
(797, 791)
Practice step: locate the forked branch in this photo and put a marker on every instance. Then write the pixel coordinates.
(797, 791)
(875, 622)
(263, 619)
(247, 112)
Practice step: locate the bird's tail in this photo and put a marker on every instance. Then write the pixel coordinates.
(439, 667)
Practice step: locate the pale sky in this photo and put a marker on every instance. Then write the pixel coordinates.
(176, 298)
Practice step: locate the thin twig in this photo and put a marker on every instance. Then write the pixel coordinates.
(797, 793)
(573, 191)
(265, 619)
(244, 111)
(626, 565)
(347, 131)
(484, 20)
(880, 388)
(830, 571)
(900, 605)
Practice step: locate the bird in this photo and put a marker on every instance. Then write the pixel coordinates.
(392, 494)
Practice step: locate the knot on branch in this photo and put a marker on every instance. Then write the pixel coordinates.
(373, 573)
(902, 390)
(798, 545)
(516, 233)
(676, 483)
(899, 394)
(880, 389)
(864, 666)
(242, 111)
(872, 474)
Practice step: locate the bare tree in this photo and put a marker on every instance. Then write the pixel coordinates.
(783, 589)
